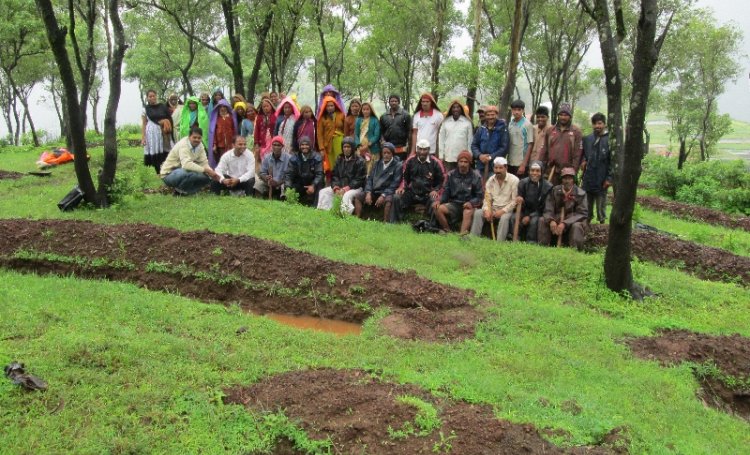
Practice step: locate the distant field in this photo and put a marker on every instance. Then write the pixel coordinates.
(734, 145)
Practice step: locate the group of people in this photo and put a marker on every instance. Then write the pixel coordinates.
(438, 162)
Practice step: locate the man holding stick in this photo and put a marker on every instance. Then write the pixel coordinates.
(563, 145)
(499, 201)
(565, 213)
(532, 196)
(273, 170)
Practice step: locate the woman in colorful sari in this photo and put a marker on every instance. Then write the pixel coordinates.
(265, 121)
(156, 132)
(194, 114)
(330, 132)
(221, 131)
(367, 135)
(286, 117)
(305, 126)
(354, 112)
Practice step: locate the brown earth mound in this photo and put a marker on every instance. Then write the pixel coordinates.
(362, 414)
(728, 390)
(694, 212)
(708, 263)
(262, 276)
(9, 175)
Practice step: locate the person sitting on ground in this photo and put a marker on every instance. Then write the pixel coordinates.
(597, 168)
(305, 173)
(422, 182)
(273, 170)
(490, 141)
(499, 200)
(532, 194)
(461, 196)
(381, 183)
(573, 224)
(349, 174)
(236, 170)
(186, 168)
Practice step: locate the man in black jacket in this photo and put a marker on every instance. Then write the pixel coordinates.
(395, 127)
(305, 173)
(463, 193)
(347, 180)
(532, 195)
(597, 169)
(381, 184)
(422, 182)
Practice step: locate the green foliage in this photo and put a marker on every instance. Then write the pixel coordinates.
(129, 184)
(291, 196)
(722, 185)
(336, 209)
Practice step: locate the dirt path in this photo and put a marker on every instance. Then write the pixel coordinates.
(262, 276)
(694, 212)
(729, 390)
(357, 410)
(9, 175)
(705, 262)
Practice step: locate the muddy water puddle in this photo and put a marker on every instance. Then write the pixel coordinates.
(333, 326)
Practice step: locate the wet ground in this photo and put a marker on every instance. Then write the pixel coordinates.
(725, 383)
(361, 413)
(260, 275)
(9, 175)
(705, 262)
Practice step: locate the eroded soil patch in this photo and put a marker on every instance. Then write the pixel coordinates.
(9, 175)
(703, 261)
(723, 364)
(362, 414)
(694, 212)
(261, 275)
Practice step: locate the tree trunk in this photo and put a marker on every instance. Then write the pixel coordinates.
(471, 92)
(515, 49)
(617, 270)
(234, 37)
(262, 35)
(441, 7)
(34, 136)
(683, 154)
(56, 38)
(117, 53)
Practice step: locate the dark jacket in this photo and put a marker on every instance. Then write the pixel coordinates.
(495, 142)
(462, 188)
(576, 208)
(534, 195)
(351, 173)
(304, 172)
(384, 181)
(598, 162)
(395, 128)
(423, 178)
(562, 148)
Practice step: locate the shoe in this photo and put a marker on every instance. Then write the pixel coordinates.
(179, 193)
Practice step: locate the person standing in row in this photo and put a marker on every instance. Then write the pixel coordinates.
(367, 135)
(521, 137)
(156, 131)
(564, 145)
(456, 134)
(425, 123)
(395, 127)
(597, 168)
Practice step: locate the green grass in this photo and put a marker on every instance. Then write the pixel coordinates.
(139, 371)
(737, 140)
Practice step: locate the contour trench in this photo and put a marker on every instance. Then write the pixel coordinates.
(260, 275)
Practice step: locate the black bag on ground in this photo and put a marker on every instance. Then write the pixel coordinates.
(71, 200)
(425, 226)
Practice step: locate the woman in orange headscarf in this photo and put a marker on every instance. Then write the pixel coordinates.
(330, 131)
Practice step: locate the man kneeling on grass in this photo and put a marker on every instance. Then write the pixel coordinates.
(573, 221)
(236, 170)
(381, 184)
(461, 196)
(348, 179)
(186, 168)
(499, 200)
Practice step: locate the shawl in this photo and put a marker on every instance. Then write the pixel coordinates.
(299, 133)
(432, 100)
(157, 112)
(336, 97)
(212, 129)
(188, 119)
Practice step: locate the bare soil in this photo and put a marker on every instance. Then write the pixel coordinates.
(260, 275)
(9, 175)
(730, 354)
(356, 410)
(705, 262)
(695, 212)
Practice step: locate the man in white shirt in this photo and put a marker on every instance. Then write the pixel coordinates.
(236, 170)
(425, 123)
(456, 134)
(499, 200)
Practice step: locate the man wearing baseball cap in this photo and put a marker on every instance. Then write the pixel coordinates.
(564, 144)
(572, 224)
(500, 193)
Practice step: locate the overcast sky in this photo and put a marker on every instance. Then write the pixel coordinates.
(734, 101)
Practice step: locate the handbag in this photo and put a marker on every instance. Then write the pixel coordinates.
(71, 200)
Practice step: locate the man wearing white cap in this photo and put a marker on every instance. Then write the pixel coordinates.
(422, 182)
(499, 200)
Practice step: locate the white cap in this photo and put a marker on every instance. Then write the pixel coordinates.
(500, 161)
(423, 144)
